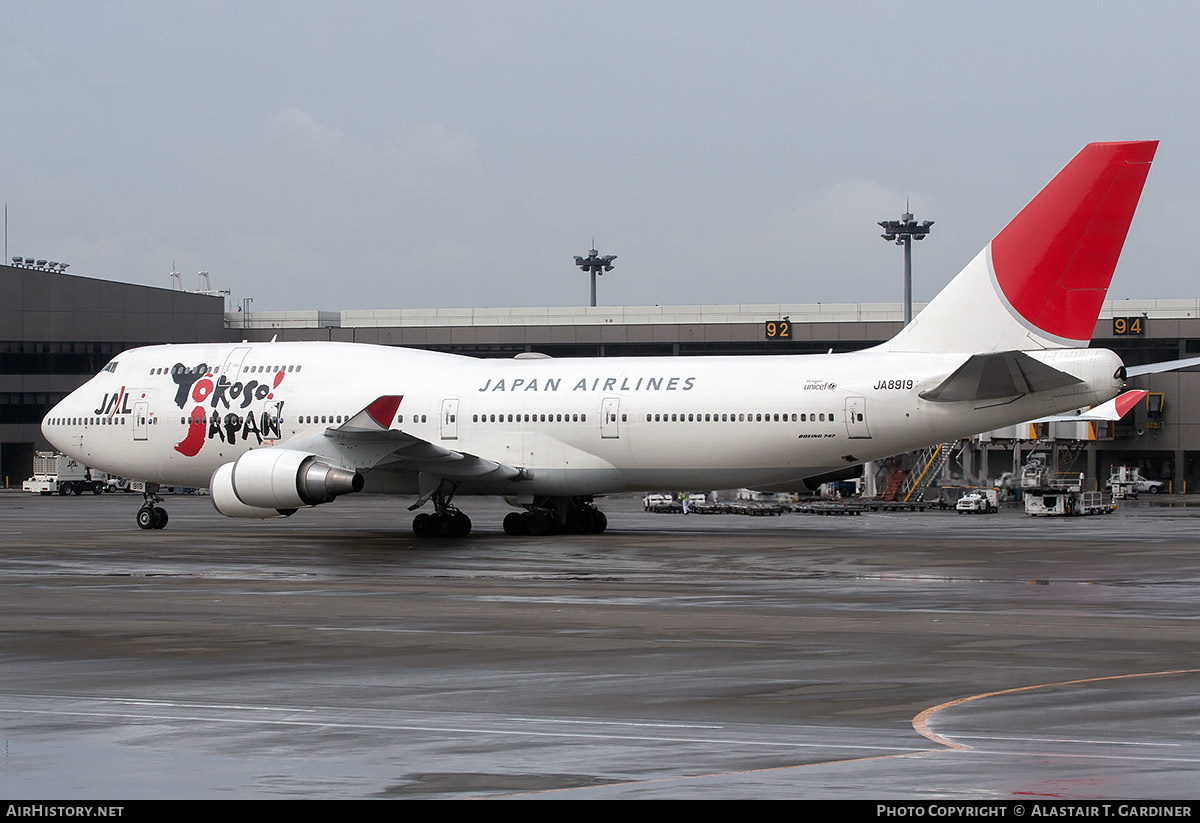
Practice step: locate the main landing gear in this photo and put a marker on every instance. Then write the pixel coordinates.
(445, 521)
(544, 516)
(150, 516)
(555, 515)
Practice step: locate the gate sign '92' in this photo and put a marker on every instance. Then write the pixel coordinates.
(779, 330)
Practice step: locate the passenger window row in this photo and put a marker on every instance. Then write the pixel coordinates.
(529, 418)
(86, 421)
(178, 369)
(741, 417)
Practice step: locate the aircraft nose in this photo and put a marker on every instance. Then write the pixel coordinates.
(52, 427)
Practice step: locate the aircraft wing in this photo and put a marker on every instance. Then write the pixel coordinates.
(367, 441)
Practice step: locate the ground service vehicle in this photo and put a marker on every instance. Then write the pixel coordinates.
(58, 473)
(980, 501)
(1127, 481)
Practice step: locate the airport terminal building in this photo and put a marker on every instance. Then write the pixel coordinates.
(57, 330)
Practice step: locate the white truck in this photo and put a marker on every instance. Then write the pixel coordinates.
(53, 472)
(979, 501)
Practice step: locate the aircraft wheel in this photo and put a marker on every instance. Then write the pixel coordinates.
(462, 524)
(448, 525)
(580, 521)
(146, 518)
(539, 524)
(424, 525)
(514, 523)
(160, 517)
(599, 522)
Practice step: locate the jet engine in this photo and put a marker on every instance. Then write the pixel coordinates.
(273, 482)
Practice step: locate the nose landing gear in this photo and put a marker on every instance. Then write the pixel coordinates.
(151, 516)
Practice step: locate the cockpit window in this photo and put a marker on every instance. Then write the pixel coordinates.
(111, 367)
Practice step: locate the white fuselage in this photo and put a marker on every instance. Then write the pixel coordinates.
(174, 414)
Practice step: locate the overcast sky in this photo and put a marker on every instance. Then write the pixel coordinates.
(422, 154)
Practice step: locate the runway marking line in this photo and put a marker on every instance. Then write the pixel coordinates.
(921, 721)
(920, 724)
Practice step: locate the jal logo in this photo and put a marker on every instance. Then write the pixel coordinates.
(114, 403)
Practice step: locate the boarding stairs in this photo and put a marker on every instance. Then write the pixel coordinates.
(894, 482)
(928, 466)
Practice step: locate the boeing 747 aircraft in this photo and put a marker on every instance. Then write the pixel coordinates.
(271, 428)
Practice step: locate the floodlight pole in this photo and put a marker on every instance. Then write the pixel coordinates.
(594, 264)
(903, 232)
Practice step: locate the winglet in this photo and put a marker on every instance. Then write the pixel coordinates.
(377, 416)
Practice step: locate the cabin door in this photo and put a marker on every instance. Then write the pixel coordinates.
(141, 421)
(450, 418)
(610, 411)
(856, 418)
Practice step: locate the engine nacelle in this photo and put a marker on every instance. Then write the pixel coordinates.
(269, 482)
(226, 502)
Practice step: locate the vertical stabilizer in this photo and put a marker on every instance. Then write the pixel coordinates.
(1040, 282)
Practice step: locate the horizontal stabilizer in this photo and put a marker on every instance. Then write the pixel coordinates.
(1158, 368)
(1113, 410)
(996, 376)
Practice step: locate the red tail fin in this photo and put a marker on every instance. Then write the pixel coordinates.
(1054, 261)
(1042, 280)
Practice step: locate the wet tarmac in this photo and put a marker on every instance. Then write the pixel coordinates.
(333, 655)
